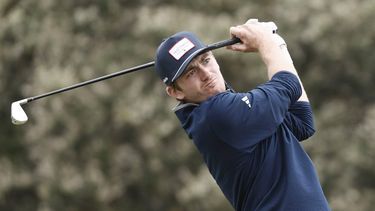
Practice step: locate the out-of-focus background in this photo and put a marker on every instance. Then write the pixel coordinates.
(116, 145)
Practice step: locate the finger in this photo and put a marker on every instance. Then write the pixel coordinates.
(252, 21)
(237, 47)
(237, 32)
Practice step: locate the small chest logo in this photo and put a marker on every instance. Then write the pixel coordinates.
(247, 101)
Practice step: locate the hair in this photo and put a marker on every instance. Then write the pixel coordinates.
(174, 85)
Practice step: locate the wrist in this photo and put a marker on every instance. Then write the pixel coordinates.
(274, 51)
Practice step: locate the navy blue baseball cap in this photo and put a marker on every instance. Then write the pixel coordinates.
(175, 53)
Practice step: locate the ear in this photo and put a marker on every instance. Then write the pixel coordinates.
(173, 92)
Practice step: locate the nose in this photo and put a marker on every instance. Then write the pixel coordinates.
(204, 73)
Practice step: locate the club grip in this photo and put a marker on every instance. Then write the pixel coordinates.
(223, 43)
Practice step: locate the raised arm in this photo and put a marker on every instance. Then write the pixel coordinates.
(256, 37)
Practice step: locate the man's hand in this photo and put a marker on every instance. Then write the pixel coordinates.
(261, 37)
(254, 35)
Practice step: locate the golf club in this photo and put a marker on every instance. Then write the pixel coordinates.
(19, 116)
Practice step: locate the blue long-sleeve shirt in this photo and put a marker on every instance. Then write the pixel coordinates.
(250, 143)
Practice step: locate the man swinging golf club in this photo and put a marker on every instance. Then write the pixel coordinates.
(249, 141)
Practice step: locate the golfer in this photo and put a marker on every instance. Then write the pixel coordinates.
(249, 141)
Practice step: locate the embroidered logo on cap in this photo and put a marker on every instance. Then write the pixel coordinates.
(181, 48)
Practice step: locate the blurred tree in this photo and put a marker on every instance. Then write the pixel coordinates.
(117, 145)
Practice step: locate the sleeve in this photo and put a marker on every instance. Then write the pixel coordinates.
(243, 119)
(300, 121)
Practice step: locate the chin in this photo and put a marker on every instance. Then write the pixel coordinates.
(214, 92)
(219, 88)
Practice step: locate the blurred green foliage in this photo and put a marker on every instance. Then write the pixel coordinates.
(117, 145)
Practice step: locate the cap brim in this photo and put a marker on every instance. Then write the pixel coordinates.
(187, 62)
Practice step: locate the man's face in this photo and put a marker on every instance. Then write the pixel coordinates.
(201, 80)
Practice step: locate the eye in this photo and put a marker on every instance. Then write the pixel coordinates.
(191, 72)
(206, 60)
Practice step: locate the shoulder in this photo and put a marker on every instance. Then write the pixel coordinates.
(226, 106)
(220, 102)
(285, 76)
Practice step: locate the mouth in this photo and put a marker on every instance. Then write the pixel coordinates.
(211, 83)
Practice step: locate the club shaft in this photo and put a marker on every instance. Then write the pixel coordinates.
(125, 71)
(223, 43)
(105, 77)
